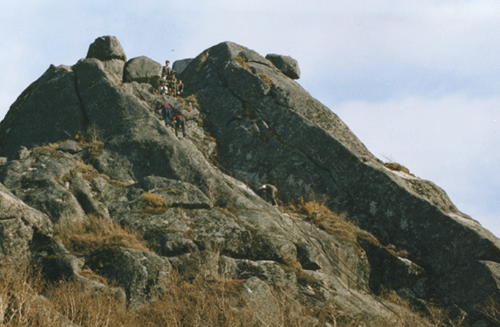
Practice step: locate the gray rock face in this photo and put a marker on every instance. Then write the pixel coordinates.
(18, 225)
(287, 65)
(47, 111)
(140, 273)
(142, 70)
(106, 48)
(258, 126)
(180, 65)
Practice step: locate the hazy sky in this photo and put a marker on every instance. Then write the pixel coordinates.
(417, 81)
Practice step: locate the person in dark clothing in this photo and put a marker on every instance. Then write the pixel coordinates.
(180, 87)
(166, 70)
(180, 122)
(166, 112)
(172, 84)
(268, 191)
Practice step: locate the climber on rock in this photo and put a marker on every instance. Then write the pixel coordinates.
(166, 112)
(180, 122)
(268, 191)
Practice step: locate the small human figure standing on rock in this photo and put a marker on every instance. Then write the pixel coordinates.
(166, 112)
(267, 191)
(179, 87)
(180, 122)
(166, 71)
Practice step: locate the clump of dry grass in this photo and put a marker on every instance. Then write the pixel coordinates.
(89, 173)
(94, 234)
(203, 61)
(20, 304)
(153, 200)
(333, 223)
(243, 62)
(47, 150)
(191, 99)
(491, 310)
(397, 167)
(266, 79)
(407, 316)
(85, 307)
(91, 140)
(151, 204)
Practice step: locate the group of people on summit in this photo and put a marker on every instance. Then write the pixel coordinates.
(169, 83)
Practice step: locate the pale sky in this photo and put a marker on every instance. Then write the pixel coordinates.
(417, 81)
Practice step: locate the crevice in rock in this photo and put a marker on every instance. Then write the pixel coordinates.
(190, 206)
(80, 99)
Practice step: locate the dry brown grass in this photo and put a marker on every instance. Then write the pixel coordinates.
(203, 61)
(96, 234)
(190, 99)
(19, 303)
(153, 200)
(397, 167)
(89, 173)
(266, 79)
(331, 222)
(193, 299)
(407, 316)
(86, 307)
(151, 204)
(492, 310)
(91, 140)
(47, 150)
(242, 61)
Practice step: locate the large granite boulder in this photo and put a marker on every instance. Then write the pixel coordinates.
(142, 70)
(106, 48)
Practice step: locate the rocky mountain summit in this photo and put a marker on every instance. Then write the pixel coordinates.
(83, 146)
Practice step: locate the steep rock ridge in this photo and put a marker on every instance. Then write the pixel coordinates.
(115, 159)
(269, 129)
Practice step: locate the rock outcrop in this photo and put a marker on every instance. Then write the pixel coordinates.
(142, 70)
(287, 65)
(106, 48)
(99, 149)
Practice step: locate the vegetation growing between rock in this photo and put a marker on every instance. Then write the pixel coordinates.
(96, 234)
(192, 299)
